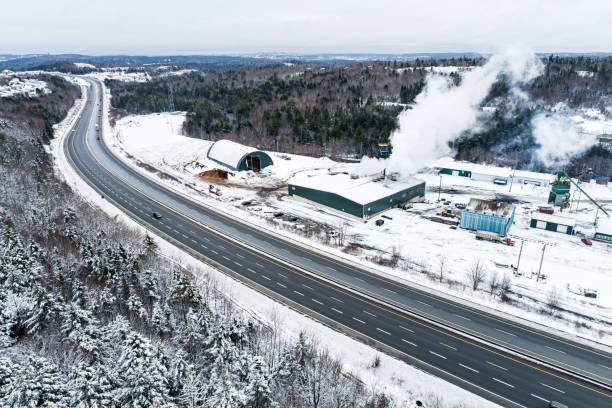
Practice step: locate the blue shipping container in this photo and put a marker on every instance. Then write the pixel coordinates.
(485, 222)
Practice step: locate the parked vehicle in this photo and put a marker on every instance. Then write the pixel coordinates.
(379, 222)
(292, 218)
(546, 210)
(407, 206)
(509, 242)
(460, 206)
(278, 214)
(586, 241)
(246, 202)
(448, 213)
(97, 127)
(488, 236)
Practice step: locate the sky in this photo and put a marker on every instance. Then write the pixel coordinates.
(157, 27)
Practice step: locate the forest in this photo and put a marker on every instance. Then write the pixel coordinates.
(345, 109)
(91, 314)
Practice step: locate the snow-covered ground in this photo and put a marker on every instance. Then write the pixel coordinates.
(403, 382)
(156, 140)
(83, 65)
(122, 74)
(24, 87)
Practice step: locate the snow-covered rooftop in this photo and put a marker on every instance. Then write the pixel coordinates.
(228, 152)
(557, 219)
(604, 226)
(496, 208)
(448, 162)
(362, 190)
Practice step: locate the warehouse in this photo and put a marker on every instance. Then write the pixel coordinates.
(483, 215)
(238, 157)
(603, 232)
(493, 174)
(551, 222)
(362, 197)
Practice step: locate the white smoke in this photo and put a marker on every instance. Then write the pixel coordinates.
(369, 166)
(443, 111)
(559, 139)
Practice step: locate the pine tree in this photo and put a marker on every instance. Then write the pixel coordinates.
(224, 394)
(258, 391)
(92, 387)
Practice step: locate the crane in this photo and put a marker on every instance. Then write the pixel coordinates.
(562, 173)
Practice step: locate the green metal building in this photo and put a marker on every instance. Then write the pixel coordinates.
(603, 232)
(362, 198)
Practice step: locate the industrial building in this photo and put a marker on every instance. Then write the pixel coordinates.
(483, 215)
(363, 198)
(551, 222)
(493, 174)
(603, 232)
(238, 157)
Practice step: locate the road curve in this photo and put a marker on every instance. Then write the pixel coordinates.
(279, 269)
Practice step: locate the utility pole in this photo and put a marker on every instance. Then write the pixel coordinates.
(440, 188)
(519, 258)
(170, 96)
(541, 261)
(511, 180)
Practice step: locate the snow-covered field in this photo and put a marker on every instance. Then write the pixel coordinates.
(24, 87)
(156, 140)
(403, 382)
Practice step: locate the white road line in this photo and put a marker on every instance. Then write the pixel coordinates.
(280, 284)
(469, 368)
(505, 332)
(250, 270)
(203, 246)
(359, 279)
(161, 223)
(389, 290)
(423, 303)
(336, 310)
(463, 317)
(436, 354)
(407, 329)
(316, 301)
(540, 398)
(409, 342)
(559, 351)
(184, 236)
(502, 382)
(498, 366)
(553, 388)
(175, 230)
(371, 314)
(384, 331)
(237, 263)
(194, 241)
(206, 239)
(284, 276)
(450, 347)
(226, 258)
(214, 252)
(337, 300)
(333, 269)
(299, 293)
(265, 277)
(605, 366)
(240, 256)
(260, 265)
(360, 321)
(307, 287)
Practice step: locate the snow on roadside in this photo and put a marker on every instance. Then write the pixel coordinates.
(402, 381)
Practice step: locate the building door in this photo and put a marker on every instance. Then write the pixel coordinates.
(253, 163)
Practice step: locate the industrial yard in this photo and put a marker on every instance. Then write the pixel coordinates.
(421, 242)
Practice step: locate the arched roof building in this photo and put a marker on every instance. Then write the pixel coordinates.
(238, 157)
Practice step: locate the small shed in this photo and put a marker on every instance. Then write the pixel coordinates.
(238, 157)
(552, 222)
(483, 215)
(603, 232)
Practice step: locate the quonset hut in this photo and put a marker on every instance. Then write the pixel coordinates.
(483, 215)
(362, 198)
(238, 157)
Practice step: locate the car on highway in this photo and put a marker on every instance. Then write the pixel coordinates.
(586, 241)
(555, 404)
(156, 215)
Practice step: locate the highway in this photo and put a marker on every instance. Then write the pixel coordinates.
(432, 333)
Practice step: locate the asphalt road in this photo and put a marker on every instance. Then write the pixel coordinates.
(507, 380)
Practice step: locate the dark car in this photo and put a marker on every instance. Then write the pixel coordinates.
(156, 215)
(278, 214)
(586, 241)
(555, 404)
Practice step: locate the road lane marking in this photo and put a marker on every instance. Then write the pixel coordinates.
(203, 246)
(333, 269)
(407, 329)
(194, 241)
(260, 265)
(337, 300)
(540, 398)
(371, 314)
(463, 317)
(240, 256)
(498, 366)
(316, 301)
(409, 342)
(384, 331)
(502, 382)
(265, 277)
(469, 368)
(553, 388)
(605, 366)
(450, 347)
(184, 236)
(250, 270)
(307, 287)
(423, 303)
(226, 258)
(299, 293)
(359, 279)
(284, 276)
(436, 354)
(214, 252)
(389, 290)
(559, 351)
(238, 264)
(505, 332)
(280, 284)
(336, 310)
(360, 321)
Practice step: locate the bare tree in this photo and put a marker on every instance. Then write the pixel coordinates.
(553, 299)
(476, 274)
(493, 282)
(442, 267)
(505, 287)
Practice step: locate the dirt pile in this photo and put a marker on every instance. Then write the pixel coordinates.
(215, 175)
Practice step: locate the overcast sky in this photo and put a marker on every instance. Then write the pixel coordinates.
(237, 26)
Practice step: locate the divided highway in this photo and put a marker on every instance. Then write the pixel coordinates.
(433, 333)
